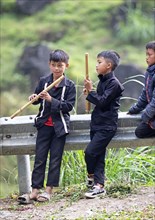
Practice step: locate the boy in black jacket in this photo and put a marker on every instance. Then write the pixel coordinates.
(52, 123)
(103, 119)
(146, 100)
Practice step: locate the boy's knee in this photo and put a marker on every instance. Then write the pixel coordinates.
(88, 152)
(139, 133)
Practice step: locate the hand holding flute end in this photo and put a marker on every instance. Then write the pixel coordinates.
(88, 86)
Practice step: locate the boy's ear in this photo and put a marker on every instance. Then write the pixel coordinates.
(67, 65)
(109, 66)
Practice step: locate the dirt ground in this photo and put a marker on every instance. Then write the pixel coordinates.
(83, 209)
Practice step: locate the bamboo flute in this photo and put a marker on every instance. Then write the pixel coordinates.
(37, 97)
(87, 107)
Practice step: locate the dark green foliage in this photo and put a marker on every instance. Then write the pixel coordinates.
(75, 26)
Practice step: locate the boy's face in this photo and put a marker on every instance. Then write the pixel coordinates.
(150, 57)
(57, 68)
(103, 66)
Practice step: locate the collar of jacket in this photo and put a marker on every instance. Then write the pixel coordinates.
(151, 69)
(64, 82)
(105, 77)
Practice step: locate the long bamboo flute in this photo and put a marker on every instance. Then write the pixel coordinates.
(88, 106)
(37, 97)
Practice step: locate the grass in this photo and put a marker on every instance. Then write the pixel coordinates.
(72, 194)
(125, 168)
(131, 165)
(144, 214)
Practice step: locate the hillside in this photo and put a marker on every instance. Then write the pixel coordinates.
(77, 27)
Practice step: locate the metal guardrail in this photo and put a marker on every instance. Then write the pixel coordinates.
(18, 136)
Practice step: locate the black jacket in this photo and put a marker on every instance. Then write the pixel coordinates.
(63, 100)
(106, 101)
(146, 101)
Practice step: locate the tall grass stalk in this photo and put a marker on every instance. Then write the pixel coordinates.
(73, 169)
(123, 166)
(129, 166)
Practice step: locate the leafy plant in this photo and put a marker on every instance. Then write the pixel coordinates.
(132, 31)
(130, 166)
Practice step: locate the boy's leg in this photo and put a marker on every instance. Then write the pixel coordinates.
(99, 174)
(95, 154)
(90, 161)
(144, 131)
(43, 141)
(56, 151)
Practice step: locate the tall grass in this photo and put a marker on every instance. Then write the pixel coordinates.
(128, 166)
(73, 169)
(131, 165)
(123, 167)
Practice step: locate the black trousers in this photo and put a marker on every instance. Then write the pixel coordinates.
(95, 154)
(47, 142)
(144, 131)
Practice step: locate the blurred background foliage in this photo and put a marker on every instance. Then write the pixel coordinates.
(77, 27)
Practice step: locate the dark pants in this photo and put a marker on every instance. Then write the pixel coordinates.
(47, 142)
(95, 154)
(144, 131)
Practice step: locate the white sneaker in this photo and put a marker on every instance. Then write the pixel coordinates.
(95, 191)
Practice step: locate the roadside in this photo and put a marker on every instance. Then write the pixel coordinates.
(83, 209)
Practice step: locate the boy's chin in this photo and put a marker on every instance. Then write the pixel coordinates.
(151, 64)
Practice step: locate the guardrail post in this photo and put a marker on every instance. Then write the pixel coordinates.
(24, 173)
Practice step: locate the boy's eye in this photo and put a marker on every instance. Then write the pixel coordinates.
(54, 65)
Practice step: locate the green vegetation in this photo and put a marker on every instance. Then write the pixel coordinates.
(125, 169)
(147, 213)
(77, 27)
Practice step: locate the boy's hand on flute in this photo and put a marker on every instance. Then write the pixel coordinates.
(85, 91)
(32, 96)
(88, 85)
(45, 95)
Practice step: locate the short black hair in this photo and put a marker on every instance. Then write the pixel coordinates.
(112, 56)
(150, 45)
(59, 56)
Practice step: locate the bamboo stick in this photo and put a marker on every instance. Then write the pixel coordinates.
(88, 106)
(37, 97)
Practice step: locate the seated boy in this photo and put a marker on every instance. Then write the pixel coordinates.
(146, 100)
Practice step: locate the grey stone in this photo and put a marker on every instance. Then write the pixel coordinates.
(30, 7)
(34, 62)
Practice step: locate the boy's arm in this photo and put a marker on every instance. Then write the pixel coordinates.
(149, 112)
(140, 105)
(112, 90)
(36, 92)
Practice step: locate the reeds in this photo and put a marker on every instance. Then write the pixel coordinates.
(128, 166)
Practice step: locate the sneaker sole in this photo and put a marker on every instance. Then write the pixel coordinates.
(87, 195)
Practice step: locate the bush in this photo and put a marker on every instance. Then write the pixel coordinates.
(137, 29)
